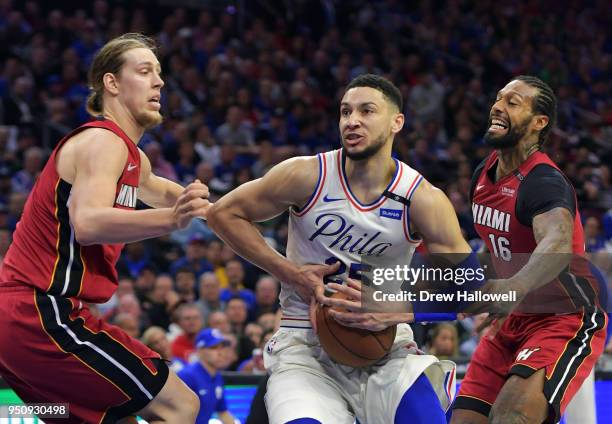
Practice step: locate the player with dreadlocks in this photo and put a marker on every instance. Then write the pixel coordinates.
(528, 371)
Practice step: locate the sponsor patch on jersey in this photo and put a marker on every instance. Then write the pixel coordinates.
(507, 191)
(391, 213)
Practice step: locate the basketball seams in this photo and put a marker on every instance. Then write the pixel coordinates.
(386, 349)
(325, 320)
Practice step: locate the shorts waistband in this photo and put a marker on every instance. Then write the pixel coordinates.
(295, 322)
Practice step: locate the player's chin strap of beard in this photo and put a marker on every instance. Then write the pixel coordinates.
(471, 262)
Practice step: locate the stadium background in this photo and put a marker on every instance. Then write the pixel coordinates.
(250, 83)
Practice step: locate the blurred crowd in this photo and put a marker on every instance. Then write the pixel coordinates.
(247, 88)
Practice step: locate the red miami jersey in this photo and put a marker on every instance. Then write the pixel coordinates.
(45, 253)
(495, 213)
(494, 210)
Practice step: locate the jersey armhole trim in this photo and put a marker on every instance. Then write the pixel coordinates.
(415, 184)
(317, 190)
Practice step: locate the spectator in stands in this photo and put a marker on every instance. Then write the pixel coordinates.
(185, 282)
(425, 101)
(254, 364)
(159, 165)
(594, 238)
(128, 304)
(185, 165)
(231, 353)
(267, 321)
(207, 147)
(18, 106)
(236, 132)
(215, 257)
(127, 323)
(473, 325)
(223, 180)
(254, 332)
(144, 283)
(209, 289)
(160, 303)
(444, 341)
(204, 379)
(267, 335)
(266, 295)
(23, 180)
(235, 279)
(135, 258)
(194, 258)
(124, 286)
(157, 339)
(219, 320)
(266, 159)
(237, 314)
(189, 319)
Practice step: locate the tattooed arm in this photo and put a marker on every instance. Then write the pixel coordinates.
(553, 232)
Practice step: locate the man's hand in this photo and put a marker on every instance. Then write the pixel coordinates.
(309, 284)
(352, 291)
(309, 280)
(499, 308)
(191, 203)
(349, 312)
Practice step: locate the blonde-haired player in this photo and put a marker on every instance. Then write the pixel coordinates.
(65, 247)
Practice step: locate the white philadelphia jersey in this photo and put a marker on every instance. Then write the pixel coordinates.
(334, 225)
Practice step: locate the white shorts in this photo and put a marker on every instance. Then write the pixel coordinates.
(305, 383)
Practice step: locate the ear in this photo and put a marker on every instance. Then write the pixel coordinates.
(398, 123)
(539, 122)
(111, 84)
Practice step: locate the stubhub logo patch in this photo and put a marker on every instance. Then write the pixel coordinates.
(391, 213)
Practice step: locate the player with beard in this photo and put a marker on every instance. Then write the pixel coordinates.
(65, 248)
(345, 205)
(528, 371)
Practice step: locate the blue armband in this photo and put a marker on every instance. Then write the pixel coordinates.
(469, 276)
(478, 278)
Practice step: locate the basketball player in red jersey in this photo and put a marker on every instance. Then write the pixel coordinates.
(530, 369)
(65, 247)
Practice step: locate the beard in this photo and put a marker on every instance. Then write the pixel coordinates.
(368, 152)
(149, 119)
(513, 135)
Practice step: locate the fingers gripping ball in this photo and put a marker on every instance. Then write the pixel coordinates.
(350, 346)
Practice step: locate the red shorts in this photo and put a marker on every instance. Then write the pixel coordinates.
(567, 346)
(54, 350)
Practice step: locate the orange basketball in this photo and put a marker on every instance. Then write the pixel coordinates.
(350, 346)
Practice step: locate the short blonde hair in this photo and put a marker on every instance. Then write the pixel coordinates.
(150, 333)
(109, 59)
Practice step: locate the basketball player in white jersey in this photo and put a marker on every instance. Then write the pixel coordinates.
(338, 213)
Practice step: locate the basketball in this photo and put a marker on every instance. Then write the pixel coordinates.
(350, 346)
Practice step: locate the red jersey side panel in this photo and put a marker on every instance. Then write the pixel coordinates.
(44, 252)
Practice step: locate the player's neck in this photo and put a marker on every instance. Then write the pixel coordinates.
(371, 176)
(125, 121)
(511, 159)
